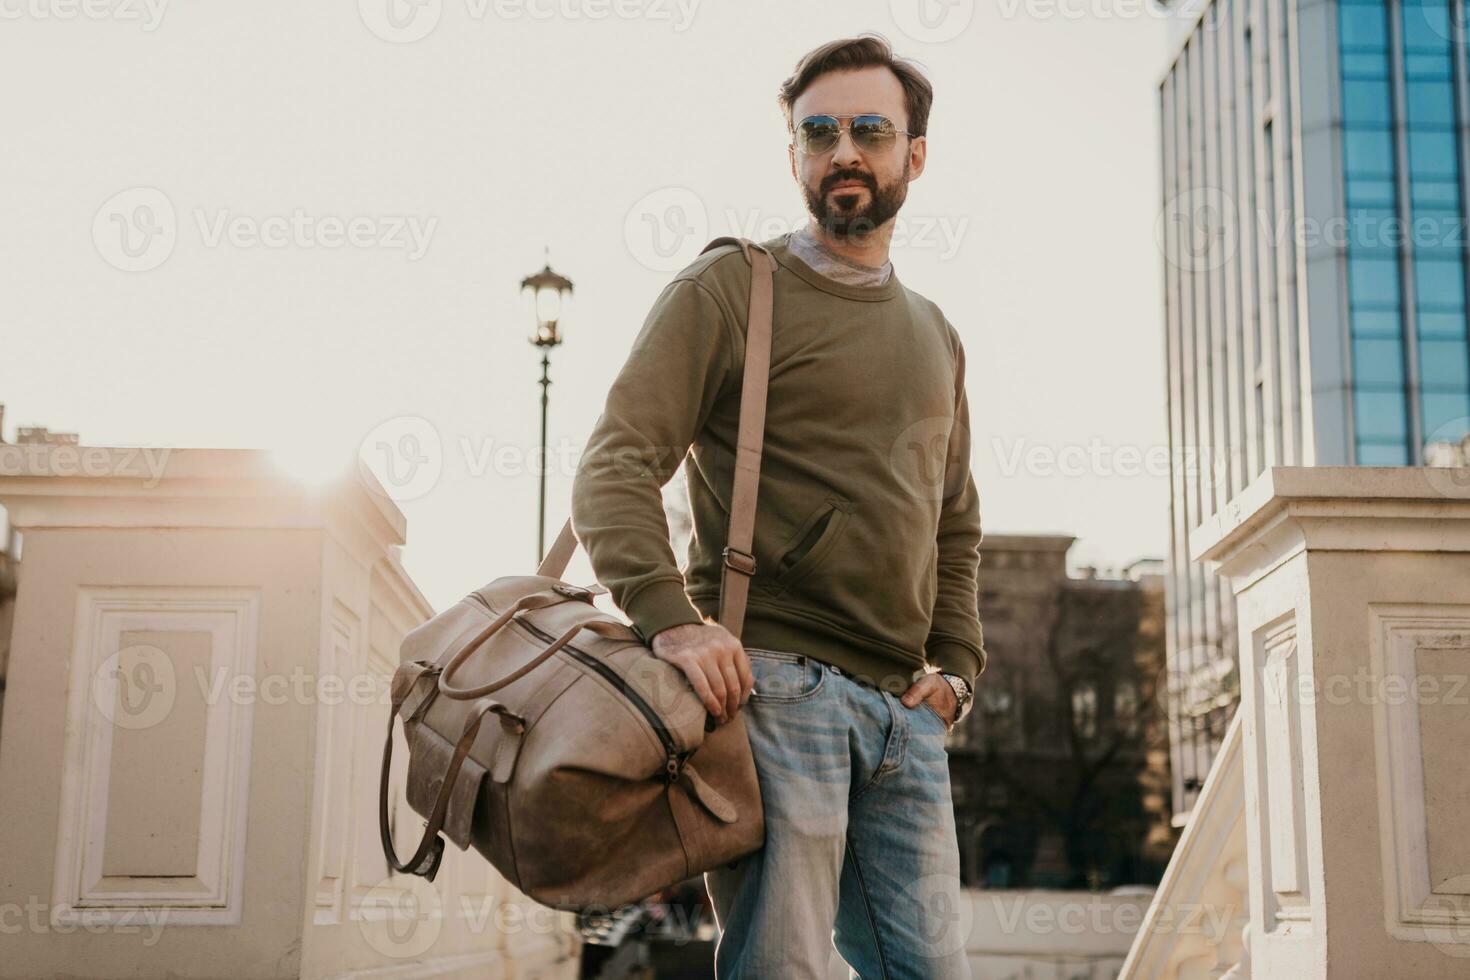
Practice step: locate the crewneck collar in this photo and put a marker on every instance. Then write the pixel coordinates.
(780, 250)
(818, 253)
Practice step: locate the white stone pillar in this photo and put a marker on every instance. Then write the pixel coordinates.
(193, 726)
(1353, 589)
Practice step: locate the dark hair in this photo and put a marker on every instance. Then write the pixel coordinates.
(864, 51)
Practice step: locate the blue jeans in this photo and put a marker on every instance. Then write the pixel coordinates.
(860, 849)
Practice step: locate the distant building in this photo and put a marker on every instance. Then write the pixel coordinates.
(10, 540)
(1060, 771)
(1314, 238)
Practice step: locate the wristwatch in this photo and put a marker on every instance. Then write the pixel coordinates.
(963, 695)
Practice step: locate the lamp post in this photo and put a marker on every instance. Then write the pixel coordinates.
(549, 290)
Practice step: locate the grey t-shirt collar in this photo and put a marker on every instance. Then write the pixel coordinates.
(806, 246)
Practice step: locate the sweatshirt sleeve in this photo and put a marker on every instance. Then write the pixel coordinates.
(682, 361)
(955, 643)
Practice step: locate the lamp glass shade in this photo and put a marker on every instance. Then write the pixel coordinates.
(548, 304)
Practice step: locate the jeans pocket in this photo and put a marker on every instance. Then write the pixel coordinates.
(782, 677)
(933, 711)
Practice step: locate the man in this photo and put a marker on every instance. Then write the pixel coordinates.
(861, 641)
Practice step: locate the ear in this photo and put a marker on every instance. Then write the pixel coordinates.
(918, 153)
(791, 156)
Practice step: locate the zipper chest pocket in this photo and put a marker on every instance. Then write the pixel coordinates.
(811, 543)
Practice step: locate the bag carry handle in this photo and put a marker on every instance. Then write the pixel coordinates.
(535, 600)
(430, 852)
(738, 557)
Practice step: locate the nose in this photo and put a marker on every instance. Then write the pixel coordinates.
(845, 154)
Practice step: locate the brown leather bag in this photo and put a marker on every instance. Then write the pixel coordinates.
(601, 778)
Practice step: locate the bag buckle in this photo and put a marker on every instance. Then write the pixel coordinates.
(741, 561)
(573, 591)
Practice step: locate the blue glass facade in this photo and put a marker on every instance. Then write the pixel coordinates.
(1401, 63)
(1323, 150)
(1283, 125)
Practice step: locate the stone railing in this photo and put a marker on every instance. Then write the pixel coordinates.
(192, 733)
(1352, 593)
(1196, 925)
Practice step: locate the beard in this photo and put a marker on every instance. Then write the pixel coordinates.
(846, 219)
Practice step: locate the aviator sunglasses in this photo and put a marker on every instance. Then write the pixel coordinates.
(871, 132)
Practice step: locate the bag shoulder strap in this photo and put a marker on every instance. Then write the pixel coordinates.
(739, 561)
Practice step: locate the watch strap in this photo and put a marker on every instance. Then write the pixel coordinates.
(965, 700)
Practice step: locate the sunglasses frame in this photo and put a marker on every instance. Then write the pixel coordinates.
(844, 125)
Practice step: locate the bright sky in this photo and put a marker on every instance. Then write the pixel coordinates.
(303, 225)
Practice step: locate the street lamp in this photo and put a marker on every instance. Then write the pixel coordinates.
(548, 291)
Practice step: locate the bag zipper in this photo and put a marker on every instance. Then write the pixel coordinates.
(674, 761)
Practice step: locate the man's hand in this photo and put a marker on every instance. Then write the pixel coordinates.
(936, 690)
(713, 660)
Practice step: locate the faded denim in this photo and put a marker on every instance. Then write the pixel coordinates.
(860, 848)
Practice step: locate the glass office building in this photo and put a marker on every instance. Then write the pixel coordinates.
(1314, 239)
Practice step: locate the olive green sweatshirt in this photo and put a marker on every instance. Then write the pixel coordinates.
(867, 527)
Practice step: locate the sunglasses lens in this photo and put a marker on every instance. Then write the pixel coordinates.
(818, 134)
(873, 132)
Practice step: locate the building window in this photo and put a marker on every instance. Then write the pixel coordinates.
(995, 703)
(1125, 707)
(1380, 399)
(1405, 217)
(1436, 217)
(1084, 709)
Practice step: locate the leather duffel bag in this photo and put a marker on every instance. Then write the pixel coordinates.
(547, 735)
